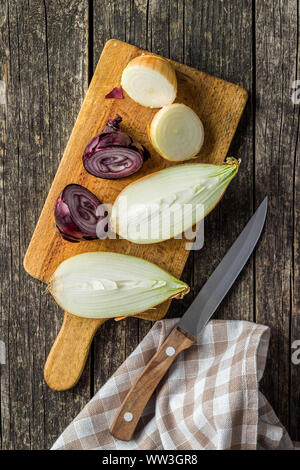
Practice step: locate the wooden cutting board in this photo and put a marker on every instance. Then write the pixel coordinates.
(219, 104)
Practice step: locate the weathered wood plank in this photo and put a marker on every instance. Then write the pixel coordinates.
(47, 58)
(166, 33)
(295, 320)
(113, 338)
(276, 133)
(66, 42)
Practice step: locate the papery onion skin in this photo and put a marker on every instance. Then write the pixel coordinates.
(106, 285)
(114, 154)
(144, 206)
(77, 214)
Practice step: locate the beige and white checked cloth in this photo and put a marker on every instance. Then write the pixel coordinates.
(209, 399)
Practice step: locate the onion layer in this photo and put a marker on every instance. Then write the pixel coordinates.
(150, 81)
(78, 214)
(176, 132)
(103, 285)
(113, 154)
(166, 203)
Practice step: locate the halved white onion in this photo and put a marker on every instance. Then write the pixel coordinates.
(104, 285)
(164, 204)
(176, 132)
(150, 81)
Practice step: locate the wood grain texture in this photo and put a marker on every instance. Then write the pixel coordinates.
(209, 38)
(127, 21)
(294, 389)
(141, 391)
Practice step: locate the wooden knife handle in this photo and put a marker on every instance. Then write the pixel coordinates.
(69, 352)
(136, 399)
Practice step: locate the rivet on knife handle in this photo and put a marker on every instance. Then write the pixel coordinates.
(68, 354)
(138, 396)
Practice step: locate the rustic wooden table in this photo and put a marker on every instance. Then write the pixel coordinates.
(48, 51)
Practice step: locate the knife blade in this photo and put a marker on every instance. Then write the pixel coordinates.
(190, 326)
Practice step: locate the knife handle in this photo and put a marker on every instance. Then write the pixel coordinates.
(136, 399)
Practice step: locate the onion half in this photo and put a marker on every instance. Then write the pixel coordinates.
(176, 132)
(104, 285)
(113, 154)
(78, 214)
(150, 81)
(164, 204)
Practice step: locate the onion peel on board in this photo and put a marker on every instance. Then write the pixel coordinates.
(166, 203)
(150, 81)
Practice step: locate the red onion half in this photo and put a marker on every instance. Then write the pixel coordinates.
(113, 154)
(77, 214)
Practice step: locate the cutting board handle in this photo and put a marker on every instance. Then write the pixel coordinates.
(69, 352)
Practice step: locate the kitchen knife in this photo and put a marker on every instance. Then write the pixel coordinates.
(190, 326)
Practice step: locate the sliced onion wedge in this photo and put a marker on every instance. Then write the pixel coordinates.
(104, 285)
(176, 132)
(150, 81)
(164, 204)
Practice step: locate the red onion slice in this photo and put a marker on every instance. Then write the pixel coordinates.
(77, 214)
(114, 163)
(113, 154)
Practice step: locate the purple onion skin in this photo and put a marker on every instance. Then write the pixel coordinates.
(114, 154)
(75, 214)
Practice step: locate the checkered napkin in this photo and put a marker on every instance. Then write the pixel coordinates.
(209, 399)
